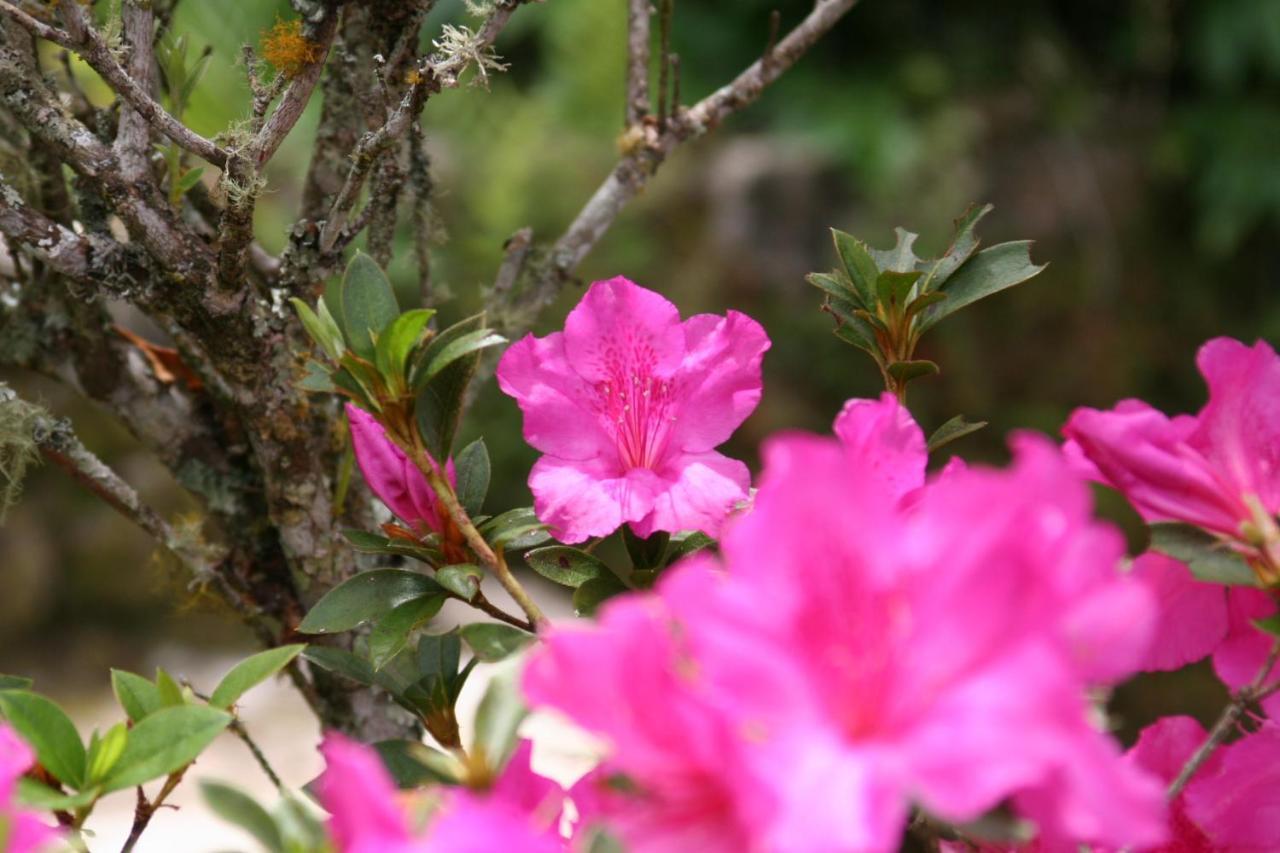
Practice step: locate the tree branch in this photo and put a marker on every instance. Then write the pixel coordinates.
(93, 49)
(133, 138)
(638, 12)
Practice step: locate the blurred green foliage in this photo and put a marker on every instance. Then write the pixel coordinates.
(1137, 142)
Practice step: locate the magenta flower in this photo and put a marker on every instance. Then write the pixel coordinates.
(393, 478)
(20, 831)
(1219, 470)
(627, 405)
(887, 439)
(520, 811)
(863, 653)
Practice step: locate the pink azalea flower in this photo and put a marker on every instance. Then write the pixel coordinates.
(520, 811)
(887, 439)
(1217, 470)
(627, 405)
(20, 831)
(862, 654)
(393, 478)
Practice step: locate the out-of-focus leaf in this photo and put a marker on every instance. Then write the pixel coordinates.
(251, 672)
(905, 371)
(104, 752)
(1208, 558)
(238, 808)
(392, 631)
(39, 796)
(687, 544)
(985, 273)
(462, 579)
(588, 597)
(953, 429)
(340, 662)
(645, 553)
(565, 565)
(166, 741)
(413, 765)
(14, 682)
(137, 695)
(492, 642)
(499, 716)
(472, 464)
(49, 731)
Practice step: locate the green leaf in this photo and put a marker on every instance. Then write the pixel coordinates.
(368, 304)
(391, 632)
(439, 654)
(407, 762)
(317, 379)
(588, 597)
(858, 265)
(104, 752)
(372, 543)
(49, 731)
(136, 695)
(398, 340)
(236, 807)
(438, 406)
(645, 553)
(515, 530)
(893, 288)
(564, 565)
(14, 682)
(835, 285)
(366, 596)
(169, 690)
(923, 301)
(953, 429)
(470, 343)
(858, 332)
(189, 179)
(962, 247)
(900, 258)
(321, 327)
(987, 272)
(498, 718)
(251, 672)
(1270, 625)
(472, 464)
(905, 371)
(40, 796)
(166, 741)
(340, 662)
(687, 544)
(462, 579)
(492, 642)
(1209, 558)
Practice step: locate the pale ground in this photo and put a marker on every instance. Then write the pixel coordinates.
(288, 734)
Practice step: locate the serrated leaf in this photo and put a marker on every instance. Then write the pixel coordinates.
(498, 718)
(859, 266)
(238, 808)
(462, 579)
(472, 465)
(166, 741)
(963, 245)
(49, 731)
(368, 595)
(588, 597)
(1208, 558)
(566, 566)
(492, 642)
(905, 371)
(901, 258)
(138, 696)
(105, 752)
(397, 341)
(251, 672)
(953, 429)
(368, 304)
(340, 662)
(989, 271)
(391, 632)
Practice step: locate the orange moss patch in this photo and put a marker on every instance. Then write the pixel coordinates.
(288, 50)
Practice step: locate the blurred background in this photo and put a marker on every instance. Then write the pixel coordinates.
(1136, 141)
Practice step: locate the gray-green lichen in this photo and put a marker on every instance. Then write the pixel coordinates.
(18, 448)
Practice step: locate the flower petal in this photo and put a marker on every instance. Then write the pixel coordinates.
(720, 381)
(1191, 616)
(704, 488)
(886, 440)
(620, 329)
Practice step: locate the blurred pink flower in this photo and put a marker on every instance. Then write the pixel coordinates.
(888, 441)
(861, 655)
(20, 831)
(393, 478)
(1203, 469)
(627, 405)
(520, 811)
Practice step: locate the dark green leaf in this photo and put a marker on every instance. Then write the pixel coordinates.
(137, 695)
(859, 333)
(893, 288)
(588, 597)
(406, 761)
(1208, 558)
(439, 654)
(366, 596)
(492, 642)
(340, 662)
(905, 371)
(166, 741)
(392, 631)
(987, 272)
(564, 565)
(645, 553)
(49, 731)
(251, 672)
(858, 265)
(687, 544)
(462, 579)
(472, 464)
(398, 340)
(962, 247)
(514, 530)
(14, 682)
(344, 380)
(1270, 625)
(238, 808)
(953, 429)
(923, 301)
(462, 346)
(317, 379)
(372, 543)
(438, 405)
(836, 285)
(900, 258)
(368, 304)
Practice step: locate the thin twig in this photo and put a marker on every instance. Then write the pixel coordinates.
(664, 54)
(133, 139)
(638, 12)
(145, 810)
(94, 50)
